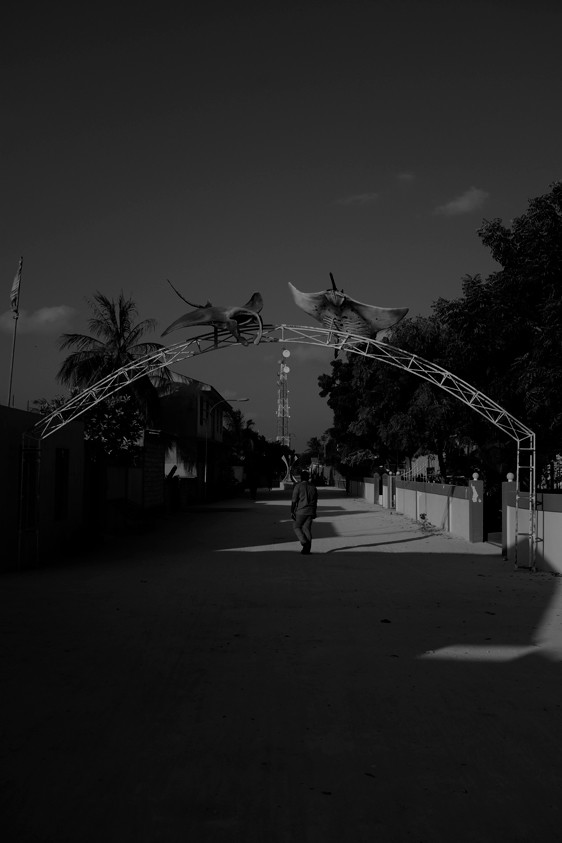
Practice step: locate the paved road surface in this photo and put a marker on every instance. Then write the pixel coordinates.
(204, 682)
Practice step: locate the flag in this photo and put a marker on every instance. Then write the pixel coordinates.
(15, 293)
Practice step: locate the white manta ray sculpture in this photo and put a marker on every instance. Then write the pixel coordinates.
(339, 312)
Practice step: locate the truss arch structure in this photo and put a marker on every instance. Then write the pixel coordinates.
(355, 344)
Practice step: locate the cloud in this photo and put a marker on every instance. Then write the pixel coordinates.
(232, 394)
(301, 353)
(405, 177)
(358, 199)
(45, 320)
(466, 203)
(310, 354)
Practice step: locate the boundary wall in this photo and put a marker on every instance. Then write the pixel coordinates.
(379, 489)
(366, 488)
(548, 554)
(458, 510)
(41, 494)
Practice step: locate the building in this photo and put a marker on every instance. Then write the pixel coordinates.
(197, 462)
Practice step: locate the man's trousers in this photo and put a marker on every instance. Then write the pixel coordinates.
(302, 526)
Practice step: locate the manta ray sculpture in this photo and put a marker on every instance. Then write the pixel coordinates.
(229, 317)
(339, 312)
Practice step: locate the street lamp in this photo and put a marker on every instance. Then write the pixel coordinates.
(217, 404)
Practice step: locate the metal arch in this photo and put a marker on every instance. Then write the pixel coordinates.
(472, 397)
(126, 375)
(353, 343)
(406, 360)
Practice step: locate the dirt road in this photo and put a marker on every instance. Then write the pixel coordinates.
(205, 682)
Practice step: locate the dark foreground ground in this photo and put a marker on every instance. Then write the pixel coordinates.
(204, 682)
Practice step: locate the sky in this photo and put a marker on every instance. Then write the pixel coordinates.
(234, 148)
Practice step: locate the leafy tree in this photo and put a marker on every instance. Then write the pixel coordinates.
(115, 341)
(383, 414)
(239, 434)
(314, 447)
(339, 388)
(261, 458)
(112, 427)
(502, 335)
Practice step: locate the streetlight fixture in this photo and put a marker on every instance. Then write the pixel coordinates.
(209, 412)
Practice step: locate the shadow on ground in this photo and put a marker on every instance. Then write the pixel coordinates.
(168, 692)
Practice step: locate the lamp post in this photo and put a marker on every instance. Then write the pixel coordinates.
(208, 416)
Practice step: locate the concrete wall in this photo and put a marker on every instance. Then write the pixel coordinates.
(153, 476)
(48, 505)
(139, 486)
(374, 489)
(407, 500)
(59, 532)
(458, 510)
(548, 555)
(370, 490)
(388, 496)
(365, 488)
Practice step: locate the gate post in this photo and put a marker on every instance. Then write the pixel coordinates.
(508, 489)
(476, 509)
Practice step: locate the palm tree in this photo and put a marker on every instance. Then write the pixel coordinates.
(114, 342)
(239, 432)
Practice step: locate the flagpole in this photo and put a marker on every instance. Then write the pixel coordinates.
(15, 303)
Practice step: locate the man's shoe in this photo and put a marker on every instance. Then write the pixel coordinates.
(306, 548)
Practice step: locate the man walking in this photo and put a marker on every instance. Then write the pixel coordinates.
(303, 510)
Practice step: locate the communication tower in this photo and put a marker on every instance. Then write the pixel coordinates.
(283, 416)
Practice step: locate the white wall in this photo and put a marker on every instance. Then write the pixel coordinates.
(458, 510)
(455, 509)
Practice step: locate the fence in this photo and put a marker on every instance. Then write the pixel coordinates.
(458, 510)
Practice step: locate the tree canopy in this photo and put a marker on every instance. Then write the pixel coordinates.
(116, 340)
(502, 335)
(260, 457)
(112, 428)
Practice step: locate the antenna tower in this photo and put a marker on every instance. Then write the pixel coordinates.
(283, 416)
